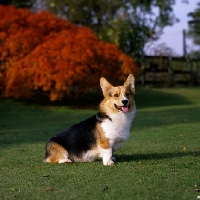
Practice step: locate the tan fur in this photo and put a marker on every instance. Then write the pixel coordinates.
(102, 140)
(130, 82)
(56, 151)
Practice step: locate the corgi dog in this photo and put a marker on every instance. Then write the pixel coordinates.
(98, 136)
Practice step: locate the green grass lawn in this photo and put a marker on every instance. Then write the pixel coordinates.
(161, 160)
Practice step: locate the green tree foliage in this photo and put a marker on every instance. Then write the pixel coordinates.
(130, 24)
(194, 25)
(23, 3)
(5, 2)
(18, 3)
(194, 30)
(142, 22)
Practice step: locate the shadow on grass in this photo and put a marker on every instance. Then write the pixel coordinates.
(155, 156)
(149, 97)
(26, 124)
(167, 117)
(145, 97)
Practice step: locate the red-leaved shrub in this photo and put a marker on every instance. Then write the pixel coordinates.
(41, 52)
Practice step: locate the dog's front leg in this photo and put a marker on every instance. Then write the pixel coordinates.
(105, 147)
(107, 156)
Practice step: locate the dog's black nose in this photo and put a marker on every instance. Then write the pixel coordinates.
(124, 102)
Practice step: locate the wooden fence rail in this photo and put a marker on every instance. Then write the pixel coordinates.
(169, 71)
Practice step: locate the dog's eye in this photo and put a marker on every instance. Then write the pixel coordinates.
(116, 95)
(127, 94)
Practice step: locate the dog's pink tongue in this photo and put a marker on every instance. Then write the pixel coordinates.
(125, 109)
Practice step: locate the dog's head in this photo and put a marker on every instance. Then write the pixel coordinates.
(118, 99)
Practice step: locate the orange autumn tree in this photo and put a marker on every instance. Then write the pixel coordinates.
(41, 52)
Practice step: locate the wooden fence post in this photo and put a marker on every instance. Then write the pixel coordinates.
(193, 73)
(170, 71)
(143, 75)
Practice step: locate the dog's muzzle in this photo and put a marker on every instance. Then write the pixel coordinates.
(123, 108)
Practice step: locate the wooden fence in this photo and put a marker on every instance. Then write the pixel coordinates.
(169, 71)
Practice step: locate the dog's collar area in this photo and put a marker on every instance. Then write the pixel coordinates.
(121, 108)
(100, 116)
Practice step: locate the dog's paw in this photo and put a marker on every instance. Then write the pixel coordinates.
(109, 163)
(64, 161)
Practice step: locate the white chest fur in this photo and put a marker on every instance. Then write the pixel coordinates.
(117, 130)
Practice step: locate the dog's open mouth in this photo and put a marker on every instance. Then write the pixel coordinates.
(122, 108)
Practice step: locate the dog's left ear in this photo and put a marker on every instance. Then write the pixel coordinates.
(131, 83)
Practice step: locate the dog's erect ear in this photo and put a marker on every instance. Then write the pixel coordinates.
(131, 83)
(105, 86)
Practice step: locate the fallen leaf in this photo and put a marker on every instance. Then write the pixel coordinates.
(15, 189)
(46, 176)
(105, 188)
(184, 148)
(197, 188)
(197, 185)
(48, 189)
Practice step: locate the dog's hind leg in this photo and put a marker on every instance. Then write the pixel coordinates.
(55, 153)
(64, 160)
